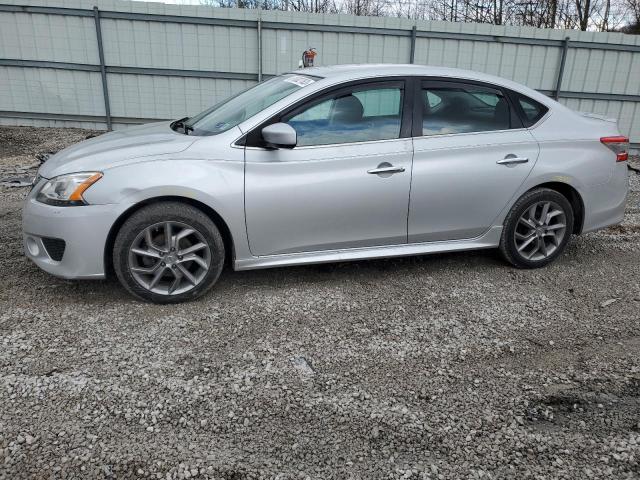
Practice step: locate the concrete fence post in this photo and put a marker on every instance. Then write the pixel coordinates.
(103, 68)
(412, 53)
(563, 59)
(259, 46)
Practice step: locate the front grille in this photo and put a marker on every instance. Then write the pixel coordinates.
(55, 247)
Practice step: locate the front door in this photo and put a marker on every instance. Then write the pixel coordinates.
(345, 184)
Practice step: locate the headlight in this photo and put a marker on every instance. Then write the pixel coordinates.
(67, 190)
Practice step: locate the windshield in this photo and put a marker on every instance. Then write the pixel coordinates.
(237, 109)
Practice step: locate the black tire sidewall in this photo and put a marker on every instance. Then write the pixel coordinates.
(507, 243)
(159, 213)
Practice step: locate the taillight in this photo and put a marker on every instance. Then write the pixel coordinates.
(618, 145)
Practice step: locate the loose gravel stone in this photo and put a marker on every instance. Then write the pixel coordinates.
(451, 366)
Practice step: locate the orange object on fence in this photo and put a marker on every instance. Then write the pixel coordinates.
(308, 56)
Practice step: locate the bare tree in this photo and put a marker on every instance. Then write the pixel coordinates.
(634, 9)
(583, 10)
(603, 15)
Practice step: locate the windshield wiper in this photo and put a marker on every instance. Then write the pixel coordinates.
(182, 123)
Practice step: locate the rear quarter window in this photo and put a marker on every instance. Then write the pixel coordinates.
(529, 109)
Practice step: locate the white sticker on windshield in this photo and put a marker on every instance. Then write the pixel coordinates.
(299, 80)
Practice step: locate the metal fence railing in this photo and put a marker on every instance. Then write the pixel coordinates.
(253, 32)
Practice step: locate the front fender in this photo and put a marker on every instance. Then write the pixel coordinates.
(216, 183)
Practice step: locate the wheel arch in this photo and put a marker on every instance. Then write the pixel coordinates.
(574, 198)
(210, 212)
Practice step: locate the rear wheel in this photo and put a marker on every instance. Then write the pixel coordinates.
(537, 229)
(168, 252)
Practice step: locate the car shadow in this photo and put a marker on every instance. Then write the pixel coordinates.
(360, 269)
(109, 291)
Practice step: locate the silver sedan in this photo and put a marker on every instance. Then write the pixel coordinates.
(324, 165)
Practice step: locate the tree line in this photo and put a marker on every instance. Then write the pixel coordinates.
(595, 15)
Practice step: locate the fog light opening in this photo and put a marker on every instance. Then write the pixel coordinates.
(32, 246)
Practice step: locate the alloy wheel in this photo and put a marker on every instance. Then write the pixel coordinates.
(169, 258)
(540, 230)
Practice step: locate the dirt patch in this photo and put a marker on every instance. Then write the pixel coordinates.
(21, 141)
(625, 229)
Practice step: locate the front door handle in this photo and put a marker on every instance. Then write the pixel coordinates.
(385, 167)
(512, 160)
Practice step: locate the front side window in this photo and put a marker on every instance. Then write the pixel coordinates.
(461, 108)
(430, 98)
(358, 115)
(239, 108)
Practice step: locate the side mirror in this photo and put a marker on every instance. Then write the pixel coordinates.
(280, 135)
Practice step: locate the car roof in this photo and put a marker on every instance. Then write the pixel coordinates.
(378, 69)
(339, 73)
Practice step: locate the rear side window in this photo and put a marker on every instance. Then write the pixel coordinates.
(452, 107)
(530, 110)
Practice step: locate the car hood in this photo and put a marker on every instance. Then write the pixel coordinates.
(114, 148)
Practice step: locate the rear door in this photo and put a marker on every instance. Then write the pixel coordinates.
(471, 153)
(345, 184)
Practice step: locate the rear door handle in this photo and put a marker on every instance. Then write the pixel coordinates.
(385, 168)
(511, 160)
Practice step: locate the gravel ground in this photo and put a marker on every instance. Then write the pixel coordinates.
(446, 366)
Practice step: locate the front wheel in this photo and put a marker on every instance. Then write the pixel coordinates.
(168, 252)
(537, 229)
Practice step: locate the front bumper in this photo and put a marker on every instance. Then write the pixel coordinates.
(83, 229)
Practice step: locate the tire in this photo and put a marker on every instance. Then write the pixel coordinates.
(523, 230)
(167, 271)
